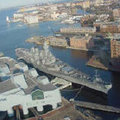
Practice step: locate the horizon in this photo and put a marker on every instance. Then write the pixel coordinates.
(18, 3)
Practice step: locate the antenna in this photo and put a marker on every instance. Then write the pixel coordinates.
(96, 73)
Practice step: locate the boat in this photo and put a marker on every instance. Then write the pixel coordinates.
(7, 19)
(45, 61)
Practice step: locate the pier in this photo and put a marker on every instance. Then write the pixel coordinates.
(95, 106)
(67, 110)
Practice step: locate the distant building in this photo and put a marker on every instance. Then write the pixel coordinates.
(54, 15)
(83, 3)
(57, 41)
(82, 42)
(26, 9)
(30, 19)
(98, 2)
(18, 15)
(108, 27)
(78, 30)
(116, 13)
(115, 49)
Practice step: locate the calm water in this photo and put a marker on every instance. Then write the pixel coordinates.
(13, 35)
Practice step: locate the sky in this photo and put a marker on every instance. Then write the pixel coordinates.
(14, 3)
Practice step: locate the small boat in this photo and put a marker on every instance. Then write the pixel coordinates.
(7, 19)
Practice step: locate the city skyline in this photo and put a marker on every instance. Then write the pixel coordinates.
(14, 3)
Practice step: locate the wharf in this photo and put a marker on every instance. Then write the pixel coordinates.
(97, 64)
(87, 50)
(95, 106)
(51, 40)
(105, 66)
(67, 110)
(36, 40)
(40, 41)
(61, 83)
(71, 34)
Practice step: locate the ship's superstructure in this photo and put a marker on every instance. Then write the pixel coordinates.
(21, 86)
(45, 61)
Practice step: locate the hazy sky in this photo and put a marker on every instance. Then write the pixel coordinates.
(12, 3)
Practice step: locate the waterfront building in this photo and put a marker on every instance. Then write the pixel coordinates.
(27, 9)
(116, 13)
(30, 19)
(81, 42)
(107, 27)
(115, 49)
(57, 41)
(83, 3)
(54, 15)
(98, 2)
(24, 88)
(18, 15)
(78, 30)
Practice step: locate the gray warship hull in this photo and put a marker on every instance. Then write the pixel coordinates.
(64, 71)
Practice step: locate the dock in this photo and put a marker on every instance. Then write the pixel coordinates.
(61, 83)
(96, 64)
(67, 110)
(95, 106)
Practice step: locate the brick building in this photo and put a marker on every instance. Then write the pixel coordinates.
(71, 30)
(57, 41)
(81, 42)
(115, 49)
(108, 27)
(83, 3)
(116, 13)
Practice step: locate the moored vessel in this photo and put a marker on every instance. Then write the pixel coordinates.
(7, 19)
(46, 62)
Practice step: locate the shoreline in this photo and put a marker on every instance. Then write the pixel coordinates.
(97, 64)
(32, 40)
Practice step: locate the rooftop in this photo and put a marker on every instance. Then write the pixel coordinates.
(34, 85)
(116, 36)
(7, 86)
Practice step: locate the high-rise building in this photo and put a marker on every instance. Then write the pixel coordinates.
(115, 49)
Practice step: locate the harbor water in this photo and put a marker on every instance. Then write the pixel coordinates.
(13, 36)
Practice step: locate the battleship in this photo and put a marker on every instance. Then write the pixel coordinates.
(45, 61)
